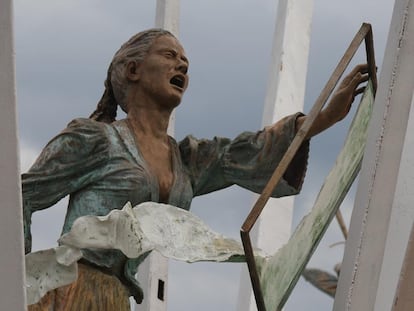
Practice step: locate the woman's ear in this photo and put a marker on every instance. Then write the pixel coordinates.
(132, 71)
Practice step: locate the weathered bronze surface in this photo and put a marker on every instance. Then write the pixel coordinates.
(102, 163)
(98, 291)
(273, 274)
(279, 274)
(322, 280)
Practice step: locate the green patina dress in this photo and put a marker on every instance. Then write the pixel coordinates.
(101, 168)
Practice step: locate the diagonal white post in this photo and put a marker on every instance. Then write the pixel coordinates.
(153, 272)
(285, 95)
(383, 213)
(404, 297)
(12, 289)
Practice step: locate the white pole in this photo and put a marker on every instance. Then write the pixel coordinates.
(12, 271)
(153, 272)
(404, 297)
(168, 17)
(383, 214)
(285, 95)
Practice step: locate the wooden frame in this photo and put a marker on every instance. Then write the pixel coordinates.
(364, 34)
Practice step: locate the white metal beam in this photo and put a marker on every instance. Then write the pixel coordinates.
(401, 222)
(168, 17)
(153, 272)
(404, 298)
(383, 213)
(12, 288)
(285, 95)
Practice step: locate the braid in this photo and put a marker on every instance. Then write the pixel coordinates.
(107, 106)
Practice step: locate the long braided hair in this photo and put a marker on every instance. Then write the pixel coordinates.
(135, 49)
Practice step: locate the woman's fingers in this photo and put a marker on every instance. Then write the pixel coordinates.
(358, 79)
(361, 68)
(359, 91)
(358, 71)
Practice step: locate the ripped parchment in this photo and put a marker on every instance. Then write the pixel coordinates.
(173, 232)
(50, 269)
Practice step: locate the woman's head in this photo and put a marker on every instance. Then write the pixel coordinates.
(116, 83)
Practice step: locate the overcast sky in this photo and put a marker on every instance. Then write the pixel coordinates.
(63, 49)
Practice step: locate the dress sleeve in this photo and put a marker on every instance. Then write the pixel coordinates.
(69, 162)
(248, 161)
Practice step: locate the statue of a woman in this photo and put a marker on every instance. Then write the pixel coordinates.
(103, 163)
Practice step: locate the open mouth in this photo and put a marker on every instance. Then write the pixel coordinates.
(178, 81)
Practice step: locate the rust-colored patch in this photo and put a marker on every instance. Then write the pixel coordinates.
(93, 291)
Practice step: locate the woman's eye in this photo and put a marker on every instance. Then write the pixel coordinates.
(169, 54)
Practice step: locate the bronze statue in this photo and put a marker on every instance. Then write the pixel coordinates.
(102, 163)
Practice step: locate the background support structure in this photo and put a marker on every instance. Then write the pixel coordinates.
(285, 95)
(404, 298)
(383, 215)
(12, 271)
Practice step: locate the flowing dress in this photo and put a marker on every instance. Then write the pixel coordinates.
(100, 167)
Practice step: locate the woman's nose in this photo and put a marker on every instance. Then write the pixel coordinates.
(182, 66)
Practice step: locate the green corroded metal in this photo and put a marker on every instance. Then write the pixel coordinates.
(101, 167)
(279, 274)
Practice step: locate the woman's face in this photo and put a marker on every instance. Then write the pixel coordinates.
(162, 75)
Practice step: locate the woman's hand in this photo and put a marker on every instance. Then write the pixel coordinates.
(344, 96)
(341, 101)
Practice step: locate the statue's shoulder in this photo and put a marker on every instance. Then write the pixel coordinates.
(87, 123)
(87, 130)
(89, 127)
